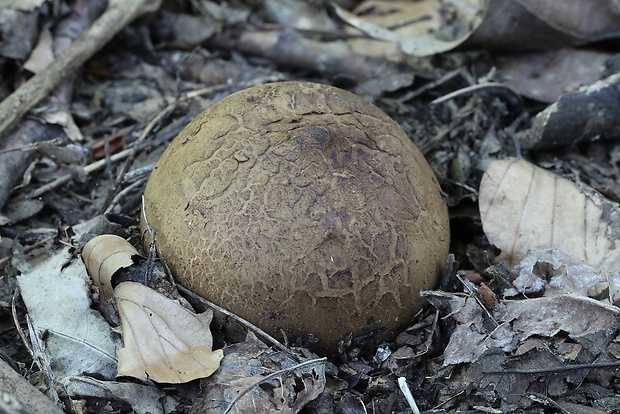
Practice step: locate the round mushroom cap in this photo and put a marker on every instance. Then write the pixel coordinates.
(302, 208)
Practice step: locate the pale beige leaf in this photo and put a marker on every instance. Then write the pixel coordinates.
(105, 255)
(525, 207)
(469, 15)
(163, 341)
(42, 55)
(56, 293)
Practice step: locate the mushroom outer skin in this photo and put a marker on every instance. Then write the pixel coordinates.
(303, 209)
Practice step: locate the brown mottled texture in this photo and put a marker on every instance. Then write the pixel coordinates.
(301, 207)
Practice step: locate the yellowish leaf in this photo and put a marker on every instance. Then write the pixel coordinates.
(469, 15)
(163, 341)
(105, 255)
(525, 207)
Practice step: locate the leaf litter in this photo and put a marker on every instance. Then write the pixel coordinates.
(540, 332)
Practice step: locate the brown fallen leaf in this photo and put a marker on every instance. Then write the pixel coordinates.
(104, 256)
(538, 24)
(163, 341)
(430, 27)
(525, 207)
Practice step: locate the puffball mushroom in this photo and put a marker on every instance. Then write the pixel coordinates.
(303, 209)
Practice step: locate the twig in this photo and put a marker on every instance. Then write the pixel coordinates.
(42, 359)
(133, 186)
(404, 388)
(431, 85)
(118, 14)
(273, 375)
(494, 88)
(239, 319)
(546, 401)
(32, 146)
(87, 170)
(562, 368)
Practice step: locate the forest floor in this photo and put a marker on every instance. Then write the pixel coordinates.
(76, 162)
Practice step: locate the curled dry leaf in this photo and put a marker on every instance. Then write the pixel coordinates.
(551, 272)
(163, 341)
(525, 207)
(104, 256)
(469, 15)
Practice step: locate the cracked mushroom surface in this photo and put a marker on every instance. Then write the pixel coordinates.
(303, 208)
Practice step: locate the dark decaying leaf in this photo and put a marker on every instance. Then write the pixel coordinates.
(243, 368)
(525, 345)
(588, 114)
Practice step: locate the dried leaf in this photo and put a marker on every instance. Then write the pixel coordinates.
(583, 19)
(425, 15)
(469, 15)
(552, 272)
(57, 298)
(234, 387)
(23, 5)
(546, 75)
(19, 32)
(163, 341)
(588, 322)
(104, 256)
(536, 336)
(42, 55)
(524, 207)
(143, 399)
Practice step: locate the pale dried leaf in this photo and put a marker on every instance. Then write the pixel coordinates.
(421, 17)
(42, 54)
(469, 14)
(62, 117)
(104, 256)
(163, 341)
(552, 272)
(525, 207)
(143, 399)
(56, 293)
